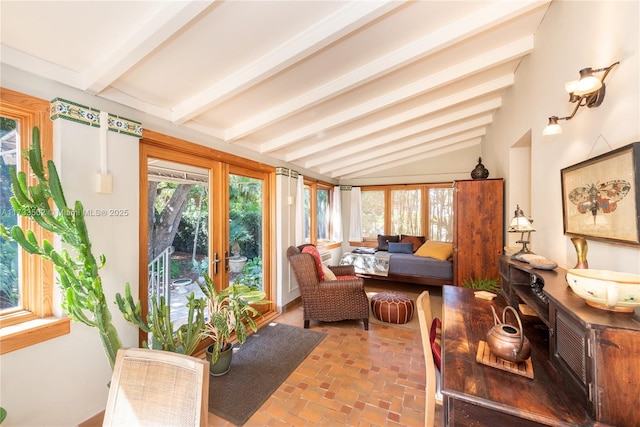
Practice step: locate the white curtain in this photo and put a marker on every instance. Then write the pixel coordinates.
(355, 225)
(336, 215)
(300, 211)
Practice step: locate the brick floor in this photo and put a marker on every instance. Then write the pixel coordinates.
(352, 378)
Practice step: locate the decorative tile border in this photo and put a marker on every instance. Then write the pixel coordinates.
(63, 109)
(286, 172)
(128, 127)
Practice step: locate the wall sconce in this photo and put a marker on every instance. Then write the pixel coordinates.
(521, 224)
(588, 91)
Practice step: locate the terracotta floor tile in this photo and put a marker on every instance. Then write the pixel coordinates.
(352, 378)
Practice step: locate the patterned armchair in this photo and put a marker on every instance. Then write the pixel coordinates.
(325, 298)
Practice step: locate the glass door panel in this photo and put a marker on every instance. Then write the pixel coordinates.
(178, 233)
(246, 195)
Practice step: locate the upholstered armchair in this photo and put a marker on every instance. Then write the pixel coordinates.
(328, 294)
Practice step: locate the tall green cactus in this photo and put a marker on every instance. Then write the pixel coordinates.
(78, 274)
(78, 277)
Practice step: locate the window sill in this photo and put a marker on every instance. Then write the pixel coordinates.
(35, 331)
(329, 245)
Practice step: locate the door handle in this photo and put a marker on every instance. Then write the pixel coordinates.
(215, 262)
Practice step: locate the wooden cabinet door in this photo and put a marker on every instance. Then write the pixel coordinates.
(478, 236)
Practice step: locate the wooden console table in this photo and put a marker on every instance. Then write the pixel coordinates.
(480, 395)
(596, 351)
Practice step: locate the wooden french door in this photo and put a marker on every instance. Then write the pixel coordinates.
(201, 212)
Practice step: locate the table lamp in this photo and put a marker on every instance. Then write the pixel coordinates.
(521, 224)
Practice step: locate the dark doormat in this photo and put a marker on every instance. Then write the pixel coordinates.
(258, 368)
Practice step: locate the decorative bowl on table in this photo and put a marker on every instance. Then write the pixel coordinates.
(609, 290)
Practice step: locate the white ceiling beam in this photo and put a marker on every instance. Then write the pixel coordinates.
(337, 25)
(444, 150)
(465, 28)
(352, 148)
(125, 99)
(474, 65)
(40, 67)
(156, 30)
(425, 141)
(405, 116)
(407, 156)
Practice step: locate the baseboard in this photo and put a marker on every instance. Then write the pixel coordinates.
(288, 306)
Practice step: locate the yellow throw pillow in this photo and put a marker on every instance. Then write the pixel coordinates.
(328, 273)
(437, 250)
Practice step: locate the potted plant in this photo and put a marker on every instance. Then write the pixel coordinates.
(229, 310)
(483, 284)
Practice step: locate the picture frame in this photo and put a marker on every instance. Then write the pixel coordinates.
(600, 197)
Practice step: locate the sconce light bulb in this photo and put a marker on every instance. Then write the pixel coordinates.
(553, 128)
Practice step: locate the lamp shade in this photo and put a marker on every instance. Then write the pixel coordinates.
(520, 223)
(571, 86)
(553, 128)
(588, 83)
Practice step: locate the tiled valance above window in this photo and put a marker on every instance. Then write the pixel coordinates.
(63, 109)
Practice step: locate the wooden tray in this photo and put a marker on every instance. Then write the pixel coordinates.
(485, 357)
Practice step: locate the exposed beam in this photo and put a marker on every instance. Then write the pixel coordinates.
(352, 147)
(444, 150)
(40, 67)
(141, 42)
(426, 141)
(408, 156)
(320, 35)
(405, 116)
(457, 72)
(465, 28)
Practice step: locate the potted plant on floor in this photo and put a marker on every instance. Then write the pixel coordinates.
(229, 310)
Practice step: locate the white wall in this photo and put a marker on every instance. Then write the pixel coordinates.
(286, 187)
(64, 381)
(602, 32)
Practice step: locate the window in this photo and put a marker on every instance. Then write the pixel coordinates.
(26, 282)
(441, 214)
(317, 209)
(417, 210)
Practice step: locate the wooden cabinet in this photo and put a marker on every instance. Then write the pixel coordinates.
(595, 351)
(478, 229)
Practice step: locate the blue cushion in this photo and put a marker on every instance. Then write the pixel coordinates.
(400, 248)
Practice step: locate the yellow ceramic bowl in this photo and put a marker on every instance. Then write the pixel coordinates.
(606, 289)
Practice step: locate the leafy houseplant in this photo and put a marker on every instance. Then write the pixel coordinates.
(78, 270)
(229, 310)
(482, 284)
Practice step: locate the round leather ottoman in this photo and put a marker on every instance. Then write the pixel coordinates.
(392, 307)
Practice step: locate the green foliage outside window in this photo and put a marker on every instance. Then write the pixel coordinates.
(9, 292)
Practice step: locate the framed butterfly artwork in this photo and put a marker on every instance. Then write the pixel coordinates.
(600, 197)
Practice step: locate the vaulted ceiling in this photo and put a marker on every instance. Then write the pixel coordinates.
(343, 88)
